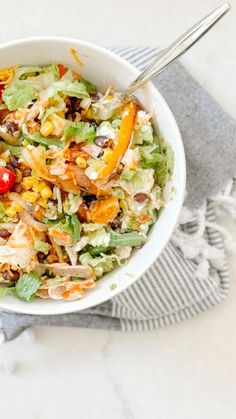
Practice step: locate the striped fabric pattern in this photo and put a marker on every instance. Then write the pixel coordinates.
(169, 292)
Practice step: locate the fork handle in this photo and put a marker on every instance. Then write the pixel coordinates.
(170, 54)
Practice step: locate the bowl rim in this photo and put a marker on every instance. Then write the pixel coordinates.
(70, 308)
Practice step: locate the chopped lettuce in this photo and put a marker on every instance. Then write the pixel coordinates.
(18, 94)
(25, 71)
(5, 290)
(69, 88)
(103, 263)
(99, 237)
(14, 150)
(41, 246)
(64, 225)
(37, 137)
(82, 130)
(54, 68)
(96, 251)
(70, 224)
(40, 82)
(142, 180)
(68, 75)
(48, 112)
(102, 242)
(72, 204)
(160, 157)
(106, 109)
(106, 129)
(143, 134)
(116, 123)
(27, 286)
(87, 227)
(3, 217)
(126, 239)
(90, 87)
(76, 227)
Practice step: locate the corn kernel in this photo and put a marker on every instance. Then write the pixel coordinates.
(51, 102)
(10, 212)
(81, 162)
(89, 114)
(19, 114)
(6, 156)
(16, 207)
(46, 192)
(38, 186)
(30, 196)
(18, 178)
(107, 154)
(47, 128)
(25, 143)
(2, 162)
(43, 203)
(28, 182)
(61, 114)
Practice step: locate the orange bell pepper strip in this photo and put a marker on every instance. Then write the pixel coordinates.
(124, 136)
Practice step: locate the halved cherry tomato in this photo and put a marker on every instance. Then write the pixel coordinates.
(104, 211)
(62, 70)
(7, 179)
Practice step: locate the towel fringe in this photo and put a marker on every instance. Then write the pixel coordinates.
(194, 245)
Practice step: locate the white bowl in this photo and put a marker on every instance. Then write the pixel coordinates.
(103, 67)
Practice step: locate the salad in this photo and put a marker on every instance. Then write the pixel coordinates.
(81, 181)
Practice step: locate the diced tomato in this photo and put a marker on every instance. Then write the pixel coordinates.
(7, 179)
(62, 70)
(1, 89)
(3, 114)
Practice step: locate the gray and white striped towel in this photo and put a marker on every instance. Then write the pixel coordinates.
(191, 274)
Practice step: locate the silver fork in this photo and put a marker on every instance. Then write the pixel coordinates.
(170, 54)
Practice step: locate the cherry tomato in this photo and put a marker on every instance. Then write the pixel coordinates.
(7, 179)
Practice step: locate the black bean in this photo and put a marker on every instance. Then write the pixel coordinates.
(116, 223)
(16, 275)
(9, 166)
(4, 233)
(94, 97)
(11, 127)
(11, 275)
(14, 161)
(89, 198)
(17, 188)
(6, 275)
(40, 256)
(141, 197)
(73, 105)
(101, 154)
(101, 140)
(26, 172)
(120, 168)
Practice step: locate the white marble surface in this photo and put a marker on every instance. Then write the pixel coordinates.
(186, 371)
